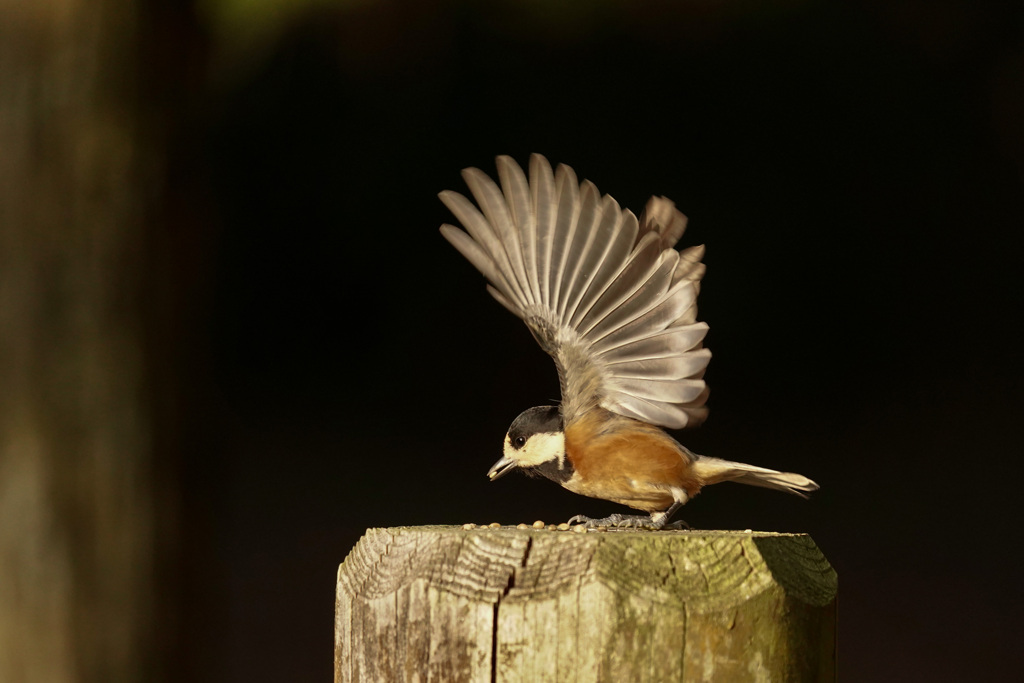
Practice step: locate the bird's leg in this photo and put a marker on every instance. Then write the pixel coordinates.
(660, 519)
(618, 521)
(657, 520)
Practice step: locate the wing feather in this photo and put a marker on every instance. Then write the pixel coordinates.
(503, 300)
(663, 390)
(670, 342)
(658, 413)
(604, 293)
(677, 304)
(661, 216)
(542, 185)
(575, 280)
(690, 267)
(632, 278)
(682, 366)
(478, 256)
(492, 202)
(650, 292)
(606, 218)
(568, 203)
(620, 230)
(517, 197)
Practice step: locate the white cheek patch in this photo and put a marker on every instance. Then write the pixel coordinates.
(539, 448)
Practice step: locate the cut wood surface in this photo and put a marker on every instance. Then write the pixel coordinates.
(508, 604)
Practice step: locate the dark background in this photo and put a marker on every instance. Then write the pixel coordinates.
(855, 170)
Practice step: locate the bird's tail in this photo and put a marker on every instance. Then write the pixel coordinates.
(713, 470)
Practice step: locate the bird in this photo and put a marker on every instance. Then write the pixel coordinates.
(614, 303)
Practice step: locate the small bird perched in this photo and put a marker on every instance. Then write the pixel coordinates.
(613, 302)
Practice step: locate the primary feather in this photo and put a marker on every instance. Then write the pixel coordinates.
(605, 294)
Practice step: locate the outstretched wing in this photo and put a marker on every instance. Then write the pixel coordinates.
(606, 295)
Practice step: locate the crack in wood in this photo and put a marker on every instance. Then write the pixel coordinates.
(443, 603)
(497, 606)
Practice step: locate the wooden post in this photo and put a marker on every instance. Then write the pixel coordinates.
(484, 604)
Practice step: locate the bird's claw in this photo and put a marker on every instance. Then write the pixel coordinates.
(625, 522)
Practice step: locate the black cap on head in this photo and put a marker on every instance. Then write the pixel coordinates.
(537, 420)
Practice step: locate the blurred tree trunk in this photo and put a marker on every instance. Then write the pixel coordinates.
(78, 518)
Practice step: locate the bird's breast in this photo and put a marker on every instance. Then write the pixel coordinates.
(627, 461)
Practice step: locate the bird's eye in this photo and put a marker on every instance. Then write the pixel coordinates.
(520, 441)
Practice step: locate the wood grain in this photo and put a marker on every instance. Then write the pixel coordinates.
(450, 604)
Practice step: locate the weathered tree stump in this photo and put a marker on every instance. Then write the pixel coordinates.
(450, 604)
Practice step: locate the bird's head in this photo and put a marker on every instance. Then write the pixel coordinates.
(535, 441)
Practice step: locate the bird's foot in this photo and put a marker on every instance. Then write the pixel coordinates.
(653, 522)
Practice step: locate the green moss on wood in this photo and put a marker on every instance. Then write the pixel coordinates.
(537, 605)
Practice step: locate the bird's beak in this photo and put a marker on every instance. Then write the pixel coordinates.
(500, 469)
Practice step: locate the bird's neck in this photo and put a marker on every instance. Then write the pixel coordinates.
(558, 470)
